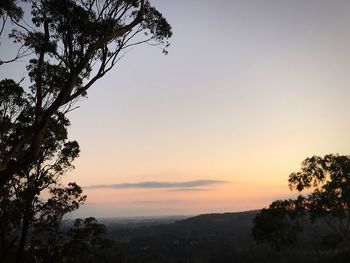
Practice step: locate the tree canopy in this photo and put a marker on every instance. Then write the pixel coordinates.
(326, 181)
(24, 210)
(70, 45)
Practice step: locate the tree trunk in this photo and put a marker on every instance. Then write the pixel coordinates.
(23, 240)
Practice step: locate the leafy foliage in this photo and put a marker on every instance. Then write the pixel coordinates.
(71, 45)
(328, 178)
(85, 243)
(9, 10)
(276, 225)
(25, 211)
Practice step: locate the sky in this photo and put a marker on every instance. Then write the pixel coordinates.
(249, 89)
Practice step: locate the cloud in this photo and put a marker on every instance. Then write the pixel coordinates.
(169, 201)
(190, 189)
(176, 186)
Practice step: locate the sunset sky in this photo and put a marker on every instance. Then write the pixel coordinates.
(248, 90)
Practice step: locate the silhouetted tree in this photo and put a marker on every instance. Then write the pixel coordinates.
(71, 45)
(328, 178)
(85, 243)
(47, 232)
(9, 10)
(278, 224)
(23, 207)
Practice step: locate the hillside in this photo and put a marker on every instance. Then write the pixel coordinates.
(207, 238)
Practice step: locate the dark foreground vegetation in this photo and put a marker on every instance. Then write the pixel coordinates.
(212, 238)
(215, 238)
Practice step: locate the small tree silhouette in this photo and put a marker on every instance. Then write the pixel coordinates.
(328, 178)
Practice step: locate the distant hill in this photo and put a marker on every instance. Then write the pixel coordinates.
(133, 222)
(207, 238)
(233, 223)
